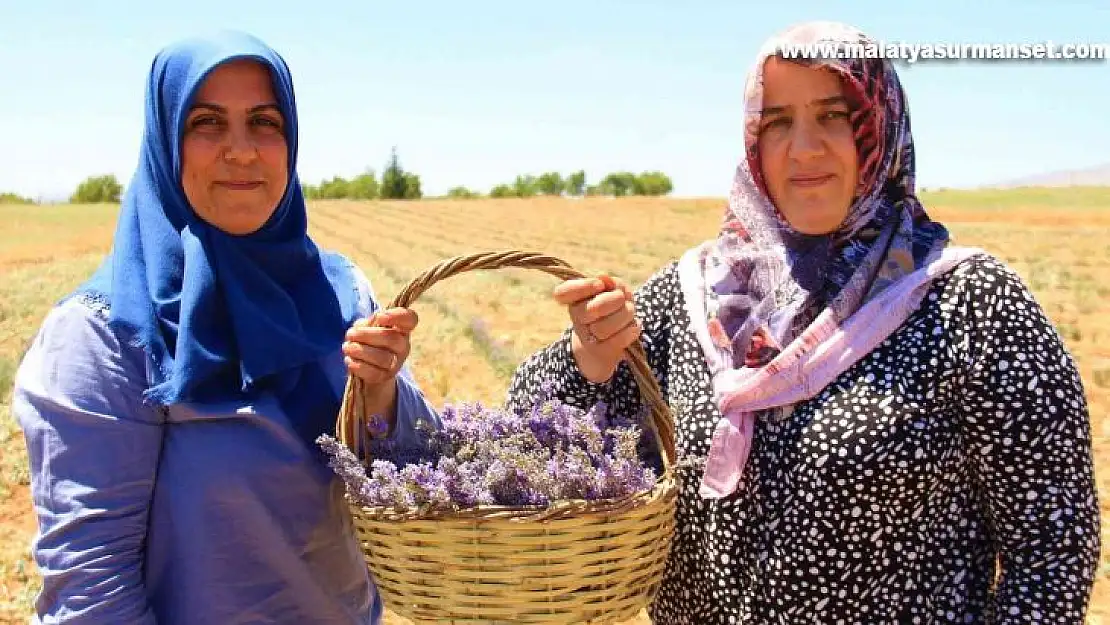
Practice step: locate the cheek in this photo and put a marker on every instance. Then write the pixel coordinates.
(772, 162)
(197, 155)
(843, 144)
(275, 158)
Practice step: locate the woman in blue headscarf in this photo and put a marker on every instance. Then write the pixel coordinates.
(171, 404)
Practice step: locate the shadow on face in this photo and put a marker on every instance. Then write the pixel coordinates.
(807, 148)
(234, 153)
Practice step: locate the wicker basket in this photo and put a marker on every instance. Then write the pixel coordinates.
(575, 562)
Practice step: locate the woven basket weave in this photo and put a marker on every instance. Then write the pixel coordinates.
(572, 562)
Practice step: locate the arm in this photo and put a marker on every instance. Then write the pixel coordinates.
(404, 406)
(93, 449)
(1028, 430)
(403, 403)
(555, 365)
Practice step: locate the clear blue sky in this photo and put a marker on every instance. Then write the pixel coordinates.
(475, 92)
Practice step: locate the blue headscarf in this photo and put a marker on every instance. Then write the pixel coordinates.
(222, 317)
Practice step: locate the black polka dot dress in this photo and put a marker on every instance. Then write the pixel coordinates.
(887, 497)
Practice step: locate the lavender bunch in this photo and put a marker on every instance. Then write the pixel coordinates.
(493, 456)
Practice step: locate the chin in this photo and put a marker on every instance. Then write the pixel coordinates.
(242, 219)
(817, 217)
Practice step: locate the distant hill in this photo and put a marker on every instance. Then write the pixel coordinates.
(1098, 176)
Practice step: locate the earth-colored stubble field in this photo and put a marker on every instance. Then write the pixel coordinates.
(476, 327)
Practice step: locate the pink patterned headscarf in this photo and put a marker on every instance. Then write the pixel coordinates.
(764, 297)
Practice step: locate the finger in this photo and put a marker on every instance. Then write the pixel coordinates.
(610, 325)
(626, 336)
(620, 286)
(577, 289)
(402, 319)
(379, 357)
(387, 356)
(598, 307)
(366, 372)
(623, 287)
(377, 336)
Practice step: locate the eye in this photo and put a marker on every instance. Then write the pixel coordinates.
(204, 120)
(835, 115)
(266, 122)
(779, 121)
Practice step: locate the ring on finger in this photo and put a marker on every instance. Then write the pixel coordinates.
(590, 336)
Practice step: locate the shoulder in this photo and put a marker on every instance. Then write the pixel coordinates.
(986, 273)
(991, 314)
(83, 320)
(78, 354)
(985, 288)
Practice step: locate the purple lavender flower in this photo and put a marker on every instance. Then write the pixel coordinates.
(492, 456)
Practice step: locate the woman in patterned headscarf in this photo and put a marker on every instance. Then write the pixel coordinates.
(870, 420)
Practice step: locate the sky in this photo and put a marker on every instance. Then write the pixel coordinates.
(474, 93)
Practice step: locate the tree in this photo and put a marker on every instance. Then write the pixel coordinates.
(97, 189)
(412, 186)
(653, 183)
(576, 183)
(502, 191)
(524, 185)
(550, 183)
(462, 193)
(618, 184)
(363, 187)
(13, 198)
(397, 184)
(335, 189)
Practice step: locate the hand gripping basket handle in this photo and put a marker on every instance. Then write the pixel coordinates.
(349, 424)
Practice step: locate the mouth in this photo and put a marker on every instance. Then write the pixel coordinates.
(810, 180)
(240, 185)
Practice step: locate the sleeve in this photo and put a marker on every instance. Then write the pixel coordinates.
(414, 411)
(553, 372)
(1027, 424)
(93, 450)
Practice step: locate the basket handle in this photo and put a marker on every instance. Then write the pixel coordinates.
(349, 422)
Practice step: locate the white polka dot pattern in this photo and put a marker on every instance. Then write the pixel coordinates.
(885, 498)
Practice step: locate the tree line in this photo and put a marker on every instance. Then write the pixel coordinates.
(396, 183)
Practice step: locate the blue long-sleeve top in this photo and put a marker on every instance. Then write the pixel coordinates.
(192, 515)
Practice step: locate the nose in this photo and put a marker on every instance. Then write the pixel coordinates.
(806, 140)
(241, 148)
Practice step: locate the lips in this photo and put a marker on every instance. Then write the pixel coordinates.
(240, 185)
(810, 180)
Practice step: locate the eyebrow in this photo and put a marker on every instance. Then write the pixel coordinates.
(829, 101)
(268, 106)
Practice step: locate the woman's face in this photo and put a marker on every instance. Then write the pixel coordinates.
(234, 153)
(807, 148)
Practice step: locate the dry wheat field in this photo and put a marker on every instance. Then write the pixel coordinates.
(476, 327)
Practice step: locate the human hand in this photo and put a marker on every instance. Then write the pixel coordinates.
(603, 315)
(377, 347)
